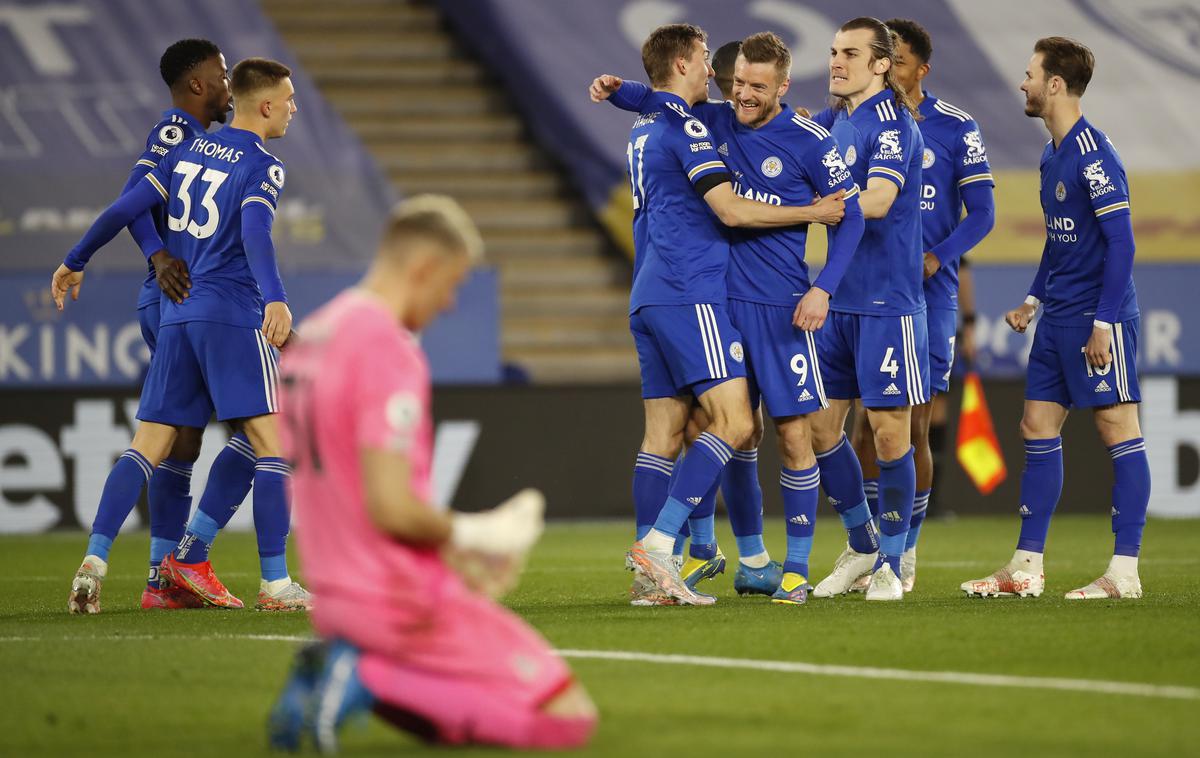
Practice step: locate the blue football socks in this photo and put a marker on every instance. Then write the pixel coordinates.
(897, 490)
(799, 489)
(841, 477)
(1041, 486)
(697, 473)
(229, 481)
(170, 495)
(271, 516)
(651, 478)
(118, 498)
(1130, 495)
(920, 507)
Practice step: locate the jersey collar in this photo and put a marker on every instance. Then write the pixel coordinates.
(874, 100)
(1080, 125)
(926, 108)
(187, 118)
(671, 97)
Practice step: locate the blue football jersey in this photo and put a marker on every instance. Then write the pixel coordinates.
(954, 157)
(791, 161)
(681, 253)
(206, 182)
(1083, 182)
(173, 129)
(880, 139)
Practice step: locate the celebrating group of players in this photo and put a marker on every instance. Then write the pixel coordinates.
(726, 320)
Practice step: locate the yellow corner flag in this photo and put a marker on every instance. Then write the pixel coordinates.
(978, 449)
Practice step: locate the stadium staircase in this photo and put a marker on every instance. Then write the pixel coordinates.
(436, 121)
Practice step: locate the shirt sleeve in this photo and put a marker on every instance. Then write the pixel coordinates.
(264, 185)
(143, 231)
(630, 95)
(1103, 175)
(889, 151)
(825, 118)
(115, 218)
(691, 143)
(390, 404)
(827, 170)
(971, 165)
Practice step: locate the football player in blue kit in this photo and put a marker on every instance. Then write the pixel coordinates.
(686, 345)
(955, 177)
(874, 345)
(216, 348)
(194, 70)
(779, 157)
(1084, 351)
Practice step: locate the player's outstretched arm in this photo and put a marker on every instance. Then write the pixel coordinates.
(391, 504)
(980, 204)
(738, 211)
(69, 276)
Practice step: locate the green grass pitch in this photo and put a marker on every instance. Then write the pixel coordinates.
(133, 683)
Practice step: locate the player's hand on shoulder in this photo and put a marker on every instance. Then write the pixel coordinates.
(1018, 318)
(277, 323)
(812, 310)
(65, 280)
(804, 112)
(932, 264)
(172, 275)
(603, 87)
(1099, 347)
(830, 208)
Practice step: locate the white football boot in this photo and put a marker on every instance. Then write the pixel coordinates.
(849, 566)
(885, 585)
(1008, 581)
(1119, 581)
(85, 587)
(908, 569)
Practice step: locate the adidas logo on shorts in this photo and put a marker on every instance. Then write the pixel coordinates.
(891, 390)
(800, 520)
(1103, 387)
(891, 516)
(805, 395)
(1024, 510)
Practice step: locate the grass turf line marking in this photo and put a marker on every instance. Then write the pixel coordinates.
(1091, 686)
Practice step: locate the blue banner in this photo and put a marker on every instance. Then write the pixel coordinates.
(79, 92)
(96, 342)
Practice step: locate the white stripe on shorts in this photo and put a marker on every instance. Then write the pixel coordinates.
(814, 366)
(704, 338)
(1121, 368)
(265, 362)
(717, 343)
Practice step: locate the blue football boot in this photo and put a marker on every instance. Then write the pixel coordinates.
(758, 581)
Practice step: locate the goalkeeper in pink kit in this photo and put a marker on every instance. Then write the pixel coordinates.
(401, 588)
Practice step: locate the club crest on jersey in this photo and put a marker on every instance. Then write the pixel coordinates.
(889, 144)
(851, 156)
(736, 352)
(275, 174)
(694, 128)
(976, 152)
(1060, 192)
(1098, 181)
(771, 166)
(402, 411)
(927, 158)
(170, 135)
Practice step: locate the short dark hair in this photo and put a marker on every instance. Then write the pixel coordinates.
(723, 61)
(181, 57)
(914, 35)
(768, 47)
(254, 74)
(664, 45)
(1073, 61)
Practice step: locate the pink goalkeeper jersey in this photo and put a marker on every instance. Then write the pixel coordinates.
(356, 380)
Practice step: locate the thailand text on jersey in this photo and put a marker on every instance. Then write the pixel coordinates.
(206, 182)
(955, 157)
(175, 127)
(1083, 183)
(680, 248)
(881, 140)
(791, 161)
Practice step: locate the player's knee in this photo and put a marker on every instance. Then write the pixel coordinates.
(737, 431)
(187, 445)
(663, 444)
(890, 444)
(796, 450)
(1032, 429)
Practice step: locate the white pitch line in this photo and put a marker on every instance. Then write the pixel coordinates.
(1090, 686)
(868, 672)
